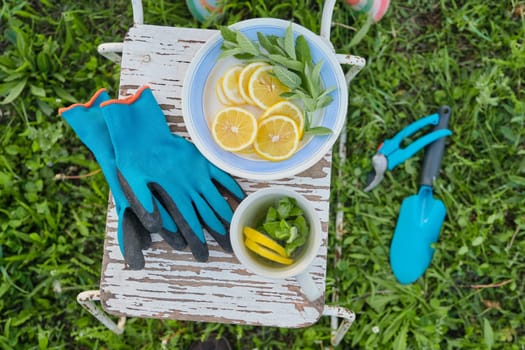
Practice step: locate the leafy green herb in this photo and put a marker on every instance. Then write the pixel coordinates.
(286, 224)
(293, 66)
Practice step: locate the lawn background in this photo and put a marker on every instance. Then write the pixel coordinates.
(423, 54)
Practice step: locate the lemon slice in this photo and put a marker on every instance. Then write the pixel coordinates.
(265, 89)
(219, 91)
(234, 128)
(277, 138)
(246, 151)
(264, 240)
(287, 109)
(244, 79)
(230, 85)
(266, 253)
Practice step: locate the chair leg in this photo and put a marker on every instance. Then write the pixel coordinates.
(338, 331)
(87, 299)
(348, 317)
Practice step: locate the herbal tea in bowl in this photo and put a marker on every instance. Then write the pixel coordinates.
(276, 233)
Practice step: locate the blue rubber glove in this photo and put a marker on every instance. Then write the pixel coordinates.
(88, 123)
(154, 163)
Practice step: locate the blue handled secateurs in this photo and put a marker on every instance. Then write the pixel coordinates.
(390, 154)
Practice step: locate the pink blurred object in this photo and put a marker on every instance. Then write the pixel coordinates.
(376, 9)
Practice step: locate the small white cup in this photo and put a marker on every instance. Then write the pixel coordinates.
(253, 209)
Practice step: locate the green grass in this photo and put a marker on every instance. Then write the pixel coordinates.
(467, 54)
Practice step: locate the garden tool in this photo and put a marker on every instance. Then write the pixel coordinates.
(421, 216)
(88, 123)
(390, 154)
(155, 165)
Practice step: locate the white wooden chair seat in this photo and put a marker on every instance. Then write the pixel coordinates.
(173, 285)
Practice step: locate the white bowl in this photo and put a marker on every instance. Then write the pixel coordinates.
(200, 104)
(251, 210)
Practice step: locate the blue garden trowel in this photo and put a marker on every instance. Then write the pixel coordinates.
(421, 216)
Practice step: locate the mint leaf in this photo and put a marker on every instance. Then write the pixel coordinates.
(309, 103)
(271, 228)
(246, 57)
(284, 207)
(323, 101)
(288, 63)
(307, 121)
(273, 40)
(271, 215)
(278, 230)
(280, 42)
(327, 91)
(267, 45)
(296, 211)
(298, 234)
(294, 244)
(309, 81)
(228, 45)
(229, 52)
(228, 34)
(294, 234)
(302, 225)
(284, 230)
(246, 44)
(316, 78)
(318, 130)
(302, 49)
(290, 95)
(289, 46)
(288, 78)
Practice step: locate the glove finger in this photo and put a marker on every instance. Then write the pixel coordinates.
(207, 215)
(174, 239)
(142, 202)
(128, 221)
(132, 238)
(213, 225)
(183, 214)
(169, 230)
(217, 201)
(227, 182)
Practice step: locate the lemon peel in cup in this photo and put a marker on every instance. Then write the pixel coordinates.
(266, 253)
(264, 240)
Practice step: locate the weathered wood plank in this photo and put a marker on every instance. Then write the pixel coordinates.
(173, 285)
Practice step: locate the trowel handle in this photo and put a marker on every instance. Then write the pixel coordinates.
(434, 151)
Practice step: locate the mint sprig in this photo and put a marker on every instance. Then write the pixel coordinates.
(286, 224)
(292, 65)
